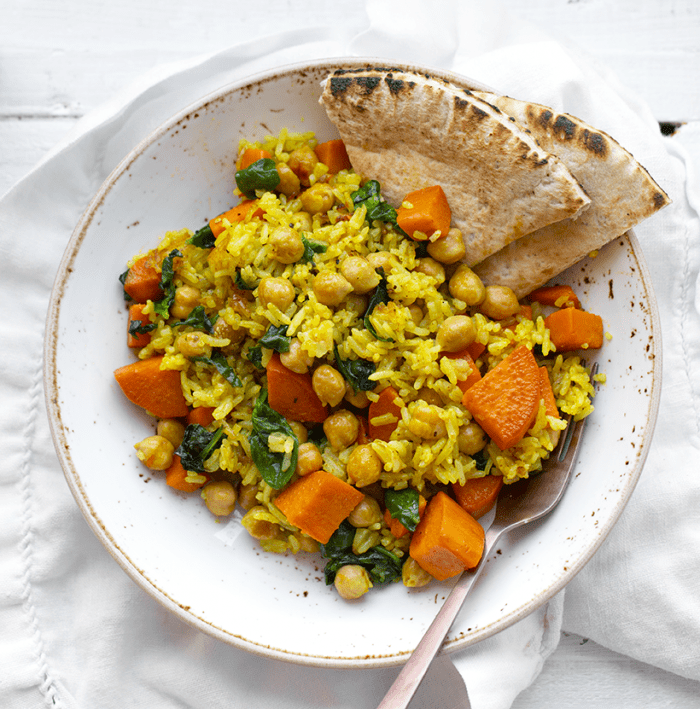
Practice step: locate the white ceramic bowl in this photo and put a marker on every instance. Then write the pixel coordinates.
(172, 546)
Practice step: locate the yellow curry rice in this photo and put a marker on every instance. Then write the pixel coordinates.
(401, 343)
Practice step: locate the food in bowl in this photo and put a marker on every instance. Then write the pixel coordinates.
(326, 362)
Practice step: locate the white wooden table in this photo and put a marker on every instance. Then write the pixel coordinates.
(59, 60)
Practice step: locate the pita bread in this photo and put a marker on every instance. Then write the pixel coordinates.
(621, 190)
(409, 131)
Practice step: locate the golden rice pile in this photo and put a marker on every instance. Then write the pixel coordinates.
(407, 358)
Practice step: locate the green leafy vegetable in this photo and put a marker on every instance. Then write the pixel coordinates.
(162, 307)
(197, 319)
(240, 283)
(422, 249)
(312, 247)
(379, 296)
(122, 280)
(137, 328)
(377, 209)
(356, 372)
(261, 175)
(219, 362)
(255, 356)
(197, 445)
(276, 339)
(267, 421)
(403, 506)
(203, 238)
(383, 566)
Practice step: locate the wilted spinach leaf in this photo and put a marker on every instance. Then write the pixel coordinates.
(219, 362)
(377, 209)
(267, 421)
(197, 445)
(137, 328)
(262, 174)
(240, 283)
(379, 296)
(276, 339)
(162, 307)
(255, 356)
(122, 280)
(198, 320)
(312, 247)
(382, 565)
(403, 506)
(203, 238)
(356, 372)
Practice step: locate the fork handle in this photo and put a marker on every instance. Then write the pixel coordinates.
(405, 685)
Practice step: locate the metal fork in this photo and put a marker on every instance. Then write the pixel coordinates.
(518, 504)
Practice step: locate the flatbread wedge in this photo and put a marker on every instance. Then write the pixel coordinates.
(410, 130)
(622, 193)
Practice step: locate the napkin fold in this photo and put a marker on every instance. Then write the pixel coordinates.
(77, 633)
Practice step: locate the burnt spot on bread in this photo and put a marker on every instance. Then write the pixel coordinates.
(564, 127)
(339, 86)
(461, 103)
(545, 118)
(659, 200)
(479, 113)
(395, 85)
(594, 142)
(367, 83)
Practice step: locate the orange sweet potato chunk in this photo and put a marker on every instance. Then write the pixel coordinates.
(318, 503)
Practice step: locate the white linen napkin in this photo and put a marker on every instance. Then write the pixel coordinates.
(76, 632)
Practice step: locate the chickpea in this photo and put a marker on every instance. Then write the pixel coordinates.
(382, 259)
(286, 244)
(220, 497)
(330, 288)
(413, 575)
(329, 385)
(364, 466)
(309, 459)
(319, 198)
(430, 396)
(191, 344)
(297, 359)
(185, 301)
(361, 276)
(172, 430)
(466, 286)
(301, 221)
(352, 581)
(416, 313)
(455, 333)
(155, 452)
(449, 248)
(247, 496)
(302, 162)
(299, 431)
(307, 543)
(499, 303)
(356, 303)
(430, 267)
(289, 183)
(471, 438)
(226, 331)
(427, 423)
(341, 429)
(260, 528)
(357, 399)
(276, 291)
(366, 513)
